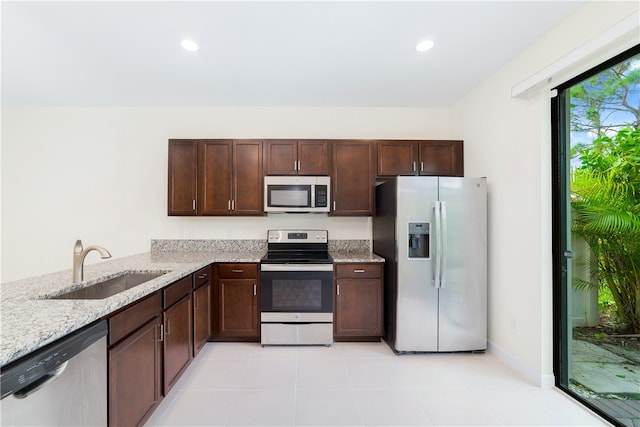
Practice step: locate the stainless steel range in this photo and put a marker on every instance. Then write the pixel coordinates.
(296, 280)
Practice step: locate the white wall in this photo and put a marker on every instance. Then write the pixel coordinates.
(508, 140)
(100, 174)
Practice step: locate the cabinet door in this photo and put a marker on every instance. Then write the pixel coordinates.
(281, 157)
(441, 158)
(247, 178)
(313, 158)
(201, 317)
(238, 307)
(183, 173)
(397, 158)
(177, 341)
(352, 180)
(135, 376)
(358, 311)
(215, 163)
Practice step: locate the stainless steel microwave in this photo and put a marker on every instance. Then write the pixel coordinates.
(296, 193)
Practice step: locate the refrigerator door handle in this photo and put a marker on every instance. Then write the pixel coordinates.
(438, 255)
(443, 243)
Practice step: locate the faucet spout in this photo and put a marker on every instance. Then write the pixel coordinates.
(79, 254)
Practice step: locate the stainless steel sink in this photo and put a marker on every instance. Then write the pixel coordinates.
(110, 287)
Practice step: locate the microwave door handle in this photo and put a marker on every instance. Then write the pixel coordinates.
(312, 188)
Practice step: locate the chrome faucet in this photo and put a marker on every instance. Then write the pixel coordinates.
(78, 259)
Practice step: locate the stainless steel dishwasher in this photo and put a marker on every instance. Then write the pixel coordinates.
(61, 384)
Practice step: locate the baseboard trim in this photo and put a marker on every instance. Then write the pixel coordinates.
(545, 381)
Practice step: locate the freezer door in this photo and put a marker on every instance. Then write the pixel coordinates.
(417, 298)
(463, 293)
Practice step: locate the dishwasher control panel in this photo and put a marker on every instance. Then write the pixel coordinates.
(30, 372)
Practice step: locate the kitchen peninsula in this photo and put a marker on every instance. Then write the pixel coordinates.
(29, 320)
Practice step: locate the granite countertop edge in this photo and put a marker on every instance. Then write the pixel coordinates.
(29, 321)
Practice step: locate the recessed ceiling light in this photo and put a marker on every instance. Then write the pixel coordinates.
(189, 45)
(424, 45)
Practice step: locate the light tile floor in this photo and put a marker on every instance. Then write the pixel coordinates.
(357, 384)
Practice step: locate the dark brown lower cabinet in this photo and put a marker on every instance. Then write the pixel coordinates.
(178, 335)
(201, 316)
(135, 362)
(358, 302)
(236, 299)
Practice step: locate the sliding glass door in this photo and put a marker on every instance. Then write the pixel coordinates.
(596, 242)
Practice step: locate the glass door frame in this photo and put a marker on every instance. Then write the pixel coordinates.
(561, 245)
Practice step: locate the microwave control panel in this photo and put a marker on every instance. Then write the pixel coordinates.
(321, 196)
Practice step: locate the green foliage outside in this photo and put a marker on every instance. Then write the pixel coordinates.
(606, 214)
(605, 186)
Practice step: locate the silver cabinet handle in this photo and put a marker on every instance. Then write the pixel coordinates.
(166, 332)
(337, 289)
(334, 205)
(414, 166)
(202, 276)
(195, 303)
(237, 271)
(255, 289)
(358, 271)
(161, 333)
(295, 165)
(194, 204)
(228, 205)
(421, 166)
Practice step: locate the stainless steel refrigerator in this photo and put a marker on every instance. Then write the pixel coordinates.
(432, 232)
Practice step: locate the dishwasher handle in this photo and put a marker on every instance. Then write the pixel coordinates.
(41, 382)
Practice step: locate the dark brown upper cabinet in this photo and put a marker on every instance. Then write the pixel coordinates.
(183, 177)
(442, 158)
(296, 157)
(223, 177)
(352, 178)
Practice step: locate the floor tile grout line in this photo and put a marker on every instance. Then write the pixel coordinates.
(237, 393)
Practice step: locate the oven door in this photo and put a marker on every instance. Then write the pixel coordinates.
(296, 288)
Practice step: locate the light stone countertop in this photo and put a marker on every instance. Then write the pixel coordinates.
(29, 321)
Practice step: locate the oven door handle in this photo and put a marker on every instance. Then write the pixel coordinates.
(296, 267)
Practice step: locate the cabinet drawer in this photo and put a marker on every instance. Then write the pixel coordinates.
(201, 277)
(173, 293)
(238, 271)
(131, 318)
(359, 271)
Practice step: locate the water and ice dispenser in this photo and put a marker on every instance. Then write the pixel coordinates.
(419, 239)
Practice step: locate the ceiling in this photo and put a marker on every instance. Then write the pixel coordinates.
(262, 53)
